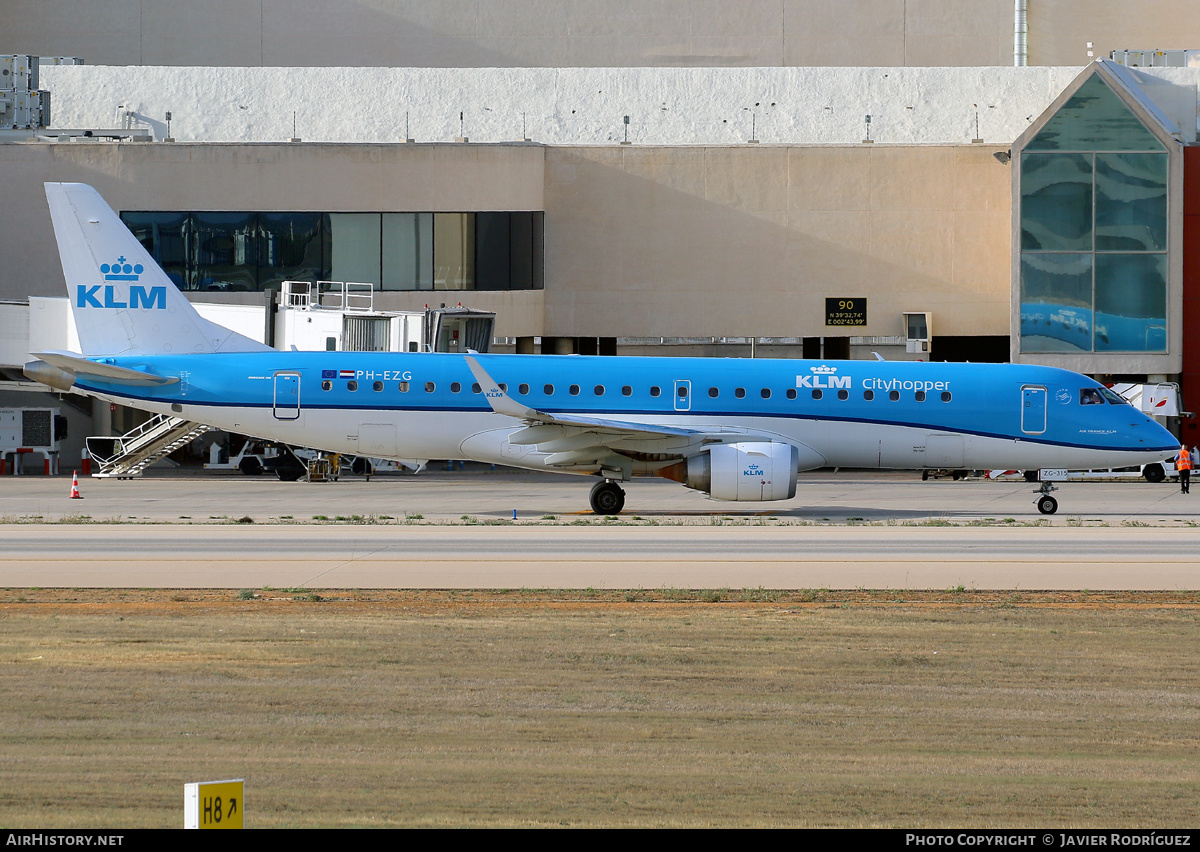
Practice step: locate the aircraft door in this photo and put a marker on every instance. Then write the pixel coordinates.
(287, 396)
(1033, 409)
(683, 395)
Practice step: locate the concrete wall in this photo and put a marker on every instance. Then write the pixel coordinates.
(640, 241)
(586, 33)
(562, 106)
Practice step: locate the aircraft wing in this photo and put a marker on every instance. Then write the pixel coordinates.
(78, 365)
(572, 440)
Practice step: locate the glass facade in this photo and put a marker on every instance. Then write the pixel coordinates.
(245, 251)
(1093, 217)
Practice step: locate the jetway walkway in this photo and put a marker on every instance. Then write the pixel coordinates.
(126, 456)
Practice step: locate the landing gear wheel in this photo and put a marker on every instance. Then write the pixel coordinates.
(607, 498)
(1047, 505)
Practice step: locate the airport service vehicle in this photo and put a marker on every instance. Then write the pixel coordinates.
(736, 429)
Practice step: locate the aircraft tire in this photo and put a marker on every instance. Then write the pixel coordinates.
(607, 498)
(1047, 505)
(250, 466)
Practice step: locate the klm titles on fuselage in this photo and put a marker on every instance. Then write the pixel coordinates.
(823, 378)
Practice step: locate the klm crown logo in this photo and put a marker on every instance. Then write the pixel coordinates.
(121, 271)
(112, 296)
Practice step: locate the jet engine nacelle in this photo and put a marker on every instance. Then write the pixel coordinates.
(764, 470)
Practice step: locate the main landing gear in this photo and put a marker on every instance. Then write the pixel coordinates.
(1046, 504)
(607, 498)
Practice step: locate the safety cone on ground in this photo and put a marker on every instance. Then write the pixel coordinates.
(75, 495)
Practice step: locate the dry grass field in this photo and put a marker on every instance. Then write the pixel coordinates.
(588, 709)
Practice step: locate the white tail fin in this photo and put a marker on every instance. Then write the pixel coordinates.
(124, 304)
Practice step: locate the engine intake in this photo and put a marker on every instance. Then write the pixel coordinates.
(751, 471)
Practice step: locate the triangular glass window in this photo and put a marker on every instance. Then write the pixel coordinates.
(1094, 119)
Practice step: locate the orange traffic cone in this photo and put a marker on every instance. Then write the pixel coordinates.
(75, 495)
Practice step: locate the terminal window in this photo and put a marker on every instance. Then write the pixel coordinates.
(1094, 202)
(247, 251)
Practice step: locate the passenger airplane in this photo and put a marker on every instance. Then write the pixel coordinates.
(736, 429)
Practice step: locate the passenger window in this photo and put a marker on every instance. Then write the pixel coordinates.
(377, 387)
(475, 388)
(455, 387)
(430, 387)
(868, 395)
(548, 390)
(740, 393)
(817, 394)
(404, 387)
(522, 388)
(791, 393)
(655, 390)
(946, 396)
(599, 390)
(626, 391)
(765, 393)
(894, 395)
(843, 394)
(352, 385)
(681, 391)
(326, 385)
(920, 395)
(573, 390)
(714, 393)
(503, 387)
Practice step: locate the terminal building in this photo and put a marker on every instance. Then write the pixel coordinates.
(939, 180)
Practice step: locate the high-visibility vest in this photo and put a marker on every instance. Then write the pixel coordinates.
(1183, 461)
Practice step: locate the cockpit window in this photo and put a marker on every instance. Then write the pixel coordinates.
(1113, 398)
(1090, 396)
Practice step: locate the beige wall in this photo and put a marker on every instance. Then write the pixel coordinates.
(749, 241)
(364, 178)
(672, 241)
(587, 33)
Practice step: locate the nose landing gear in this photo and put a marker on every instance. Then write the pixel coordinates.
(1046, 504)
(607, 498)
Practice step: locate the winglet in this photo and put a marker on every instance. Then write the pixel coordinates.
(500, 401)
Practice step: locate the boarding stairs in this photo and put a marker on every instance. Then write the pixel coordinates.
(126, 456)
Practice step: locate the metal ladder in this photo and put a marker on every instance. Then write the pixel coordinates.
(126, 456)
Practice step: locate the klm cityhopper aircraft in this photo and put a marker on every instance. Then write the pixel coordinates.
(735, 429)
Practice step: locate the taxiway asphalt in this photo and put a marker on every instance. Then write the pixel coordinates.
(455, 530)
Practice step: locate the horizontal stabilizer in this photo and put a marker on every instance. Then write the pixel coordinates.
(78, 365)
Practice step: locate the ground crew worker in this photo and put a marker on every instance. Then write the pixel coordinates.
(1183, 464)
